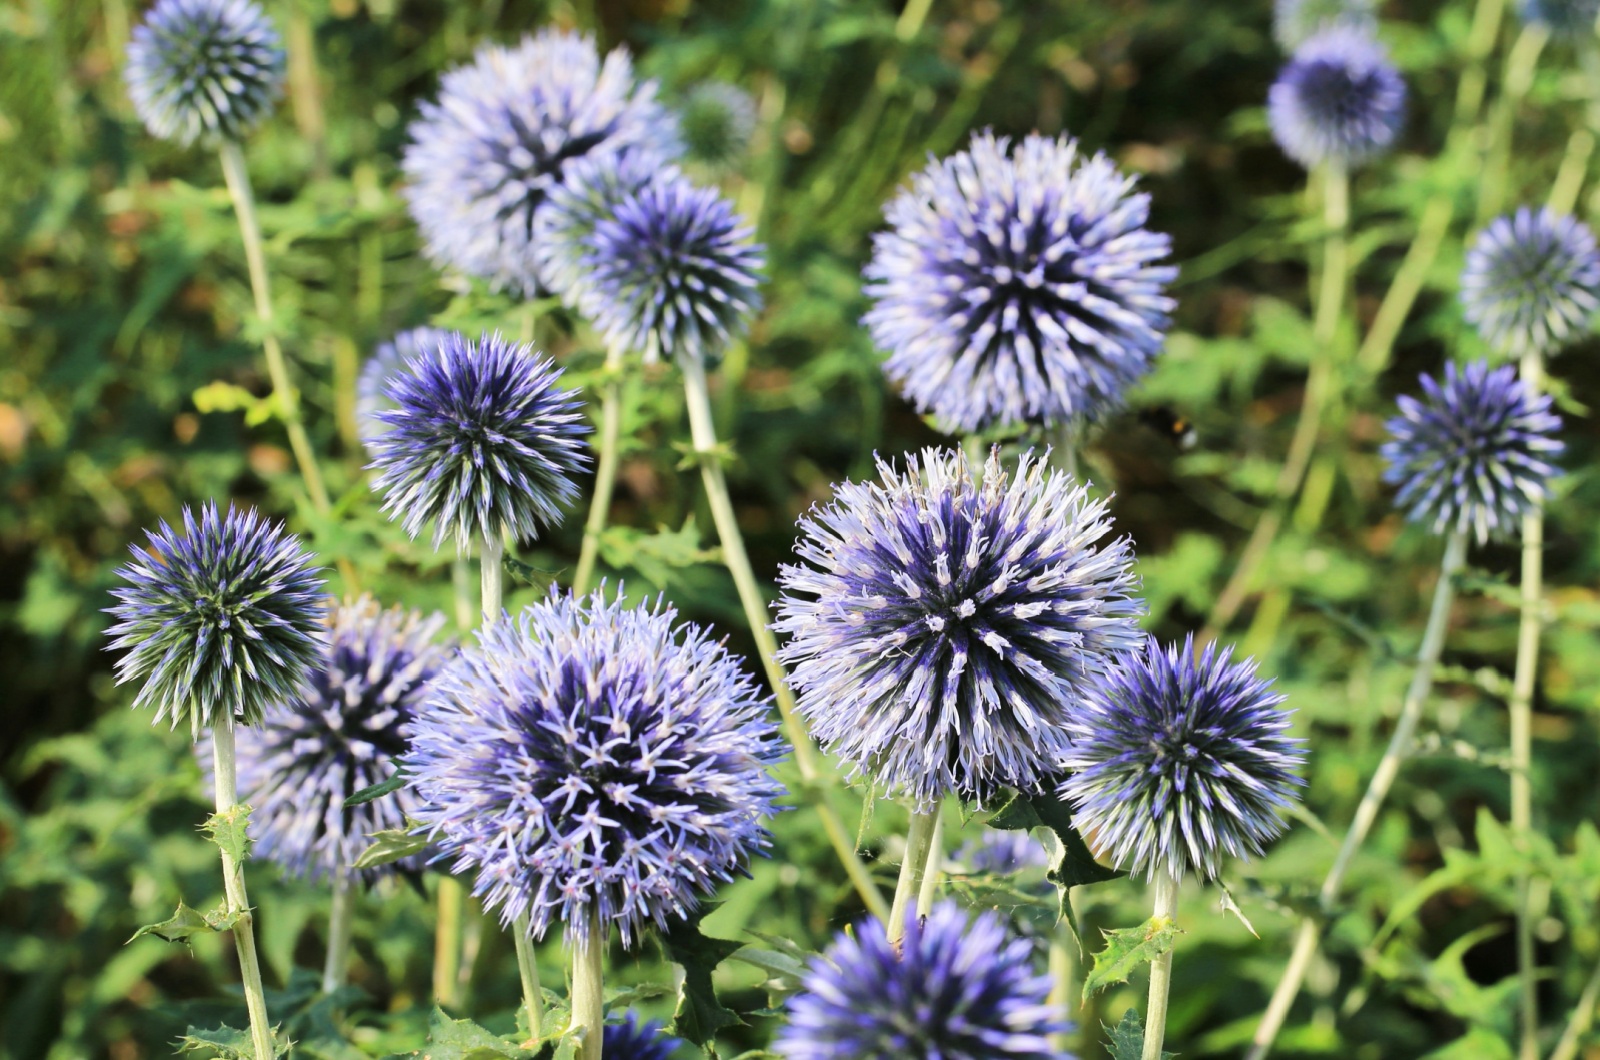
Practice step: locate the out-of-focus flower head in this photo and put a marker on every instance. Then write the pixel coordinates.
(204, 70)
(1339, 101)
(1531, 281)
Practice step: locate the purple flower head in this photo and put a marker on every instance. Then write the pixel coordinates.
(1296, 21)
(1338, 102)
(1002, 853)
(1174, 762)
(483, 159)
(220, 623)
(480, 441)
(1568, 20)
(716, 120)
(960, 988)
(941, 631)
(1532, 281)
(1018, 287)
(632, 1040)
(674, 262)
(204, 70)
(1474, 453)
(590, 756)
(388, 361)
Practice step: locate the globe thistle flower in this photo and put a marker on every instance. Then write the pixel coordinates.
(675, 262)
(1568, 20)
(343, 732)
(716, 120)
(631, 1040)
(943, 631)
(593, 758)
(484, 158)
(480, 441)
(1338, 102)
(959, 988)
(1532, 280)
(1018, 287)
(204, 70)
(1000, 852)
(1296, 21)
(221, 622)
(1474, 453)
(388, 361)
(1173, 762)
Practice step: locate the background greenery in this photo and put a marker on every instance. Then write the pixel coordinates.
(123, 293)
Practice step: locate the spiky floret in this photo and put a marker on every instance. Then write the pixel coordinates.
(343, 732)
(673, 261)
(1474, 454)
(1531, 281)
(956, 988)
(1339, 101)
(1569, 20)
(220, 622)
(483, 159)
(387, 362)
(480, 441)
(716, 119)
(204, 70)
(1175, 762)
(1018, 286)
(1296, 21)
(593, 757)
(941, 631)
(632, 1040)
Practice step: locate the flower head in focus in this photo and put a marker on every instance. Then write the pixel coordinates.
(1339, 101)
(204, 70)
(1531, 281)
(388, 361)
(1018, 286)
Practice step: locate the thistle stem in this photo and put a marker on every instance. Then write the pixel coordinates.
(528, 971)
(933, 867)
(226, 788)
(704, 436)
(1581, 1020)
(1155, 1017)
(919, 840)
(492, 569)
(451, 899)
(1306, 941)
(341, 919)
(605, 477)
(588, 970)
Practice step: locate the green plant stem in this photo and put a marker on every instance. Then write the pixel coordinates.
(1581, 1020)
(528, 972)
(605, 478)
(1518, 79)
(1155, 1015)
(919, 840)
(225, 785)
(588, 977)
(341, 919)
(305, 92)
(704, 436)
(492, 570)
(451, 899)
(933, 867)
(1307, 938)
(1569, 178)
(1373, 357)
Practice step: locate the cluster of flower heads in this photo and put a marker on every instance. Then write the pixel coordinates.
(387, 362)
(221, 622)
(1474, 454)
(1018, 286)
(943, 630)
(344, 731)
(1296, 21)
(1569, 20)
(590, 757)
(1175, 761)
(484, 158)
(716, 120)
(1531, 281)
(204, 70)
(956, 988)
(479, 440)
(1339, 101)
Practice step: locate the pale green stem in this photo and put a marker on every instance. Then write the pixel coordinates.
(491, 553)
(1407, 284)
(1305, 946)
(1520, 66)
(919, 839)
(305, 92)
(341, 920)
(225, 784)
(933, 870)
(1582, 1019)
(588, 977)
(448, 967)
(1064, 449)
(605, 477)
(528, 972)
(1155, 1015)
(1569, 178)
(704, 436)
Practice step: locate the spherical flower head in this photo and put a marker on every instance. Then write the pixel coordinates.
(1568, 20)
(1338, 102)
(674, 262)
(1002, 852)
(220, 622)
(1532, 281)
(1474, 454)
(590, 757)
(631, 1040)
(483, 159)
(1018, 287)
(480, 440)
(957, 988)
(1296, 21)
(343, 732)
(716, 120)
(204, 70)
(1175, 762)
(941, 631)
(388, 361)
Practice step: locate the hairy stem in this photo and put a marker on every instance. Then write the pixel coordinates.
(226, 788)
(588, 970)
(528, 972)
(341, 919)
(919, 840)
(605, 477)
(1155, 1016)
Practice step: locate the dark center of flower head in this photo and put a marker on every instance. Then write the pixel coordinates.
(531, 163)
(1338, 94)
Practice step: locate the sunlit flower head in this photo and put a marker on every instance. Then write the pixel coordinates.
(204, 70)
(1339, 101)
(1532, 281)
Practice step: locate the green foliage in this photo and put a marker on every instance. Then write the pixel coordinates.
(1072, 863)
(700, 1015)
(1125, 1040)
(230, 830)
(224, 1043)
(1126, 950)
(391, 845)
(186, 923)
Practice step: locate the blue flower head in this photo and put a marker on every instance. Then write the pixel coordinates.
(1568, 20)
(1474, 454)
(1174, 762)
(221, 623)
(1018, 286)
(956, 988)
(1002, 853)
(632, 1040)
(1532, 281)
(204, 70)
(1338, 102)
(716, 120)
(942, 631)
(480, 441)
(1296, 21)
(388, 361)
(594, 757)
(484, 157)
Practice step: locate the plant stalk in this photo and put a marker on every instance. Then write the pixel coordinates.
(588, 971)
(933, 866)
(528, 971)
(225, 785)
(1582, 1019)
(605, 477)
(341, 920)
(451, 899)
(1155, 1017)
(919, 840)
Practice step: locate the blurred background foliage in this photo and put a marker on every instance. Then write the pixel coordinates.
(127, 351)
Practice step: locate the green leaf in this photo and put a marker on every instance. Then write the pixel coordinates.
(655, 555)
(1125, 1041)
(230, 830)
(226, 1043)
(463, 1039)
(396, 781)
(392, 844)
(178, 927)
(527, 574)
(1072, 863)
(1126, 950)
(700, 1015)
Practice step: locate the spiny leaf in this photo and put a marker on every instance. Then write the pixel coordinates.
(700, 1015)
(186, 922)
(392, 844)
(226, 1043)
(463, 1039)
(396, 781)
(230, 830)
(1230, 906)
(1126, 950)
(1126, 1039)
(1072, 863)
